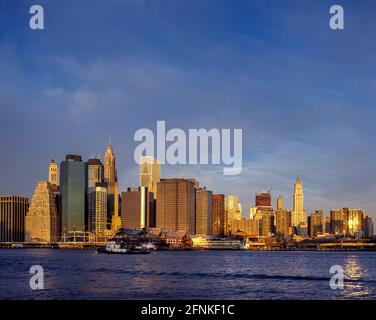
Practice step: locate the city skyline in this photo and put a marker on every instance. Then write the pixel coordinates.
(149, 62)
(54, 166)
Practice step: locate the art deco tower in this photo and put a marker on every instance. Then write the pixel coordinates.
(110, 174)
(110, 178)
(298, 214)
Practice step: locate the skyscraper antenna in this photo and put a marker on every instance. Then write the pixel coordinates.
(109, 138)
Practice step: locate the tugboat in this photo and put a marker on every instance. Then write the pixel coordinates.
(128, 242)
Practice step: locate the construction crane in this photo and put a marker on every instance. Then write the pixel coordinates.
(267, 190)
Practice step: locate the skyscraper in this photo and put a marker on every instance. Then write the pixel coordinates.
(137, 208)
(150, 173)
(110, 174)
(204, 212)
(338, 222)
(41, 218)
(218, 214)
(53, 175)
(110, 177)
(263, 199)
(316, 223)
(73, 189)
(13, 210)
(176, 205)
(282, 223)
(233, 211)
(97, 210)
(267, 224)
(298, 213)
(95, 172)
(279, 203)
(368, 226)
(354, 222)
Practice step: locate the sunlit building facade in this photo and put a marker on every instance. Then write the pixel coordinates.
(13, 211)
(298, 213)
(97, 210)
(204, 212)
(137, 208)
(219, 214)
(150, 173)
(176, 205)
(42, 219)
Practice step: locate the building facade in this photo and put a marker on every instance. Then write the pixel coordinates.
(316, 224)
(53, 175)
(73, 190)
(137, 208)
(204, 212)
(42, 219)
(150, 174)
(298, 213)
(110, 178)
(95, 172)
(176, 205)
(13, 211)
(282, 223)
(219, 215)
(97, 210)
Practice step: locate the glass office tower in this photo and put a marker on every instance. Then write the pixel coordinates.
(73, 188)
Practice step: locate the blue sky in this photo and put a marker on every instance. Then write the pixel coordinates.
(303, 94)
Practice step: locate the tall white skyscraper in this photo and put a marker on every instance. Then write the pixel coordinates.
(298, 214)
(97, 209)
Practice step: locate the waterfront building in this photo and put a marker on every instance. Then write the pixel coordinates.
(150, 173)
(97, 210)
(204, 212)
(316, 224)
(176, 205)
(298, 213)
(137, 208)
(53, 175)
(354, 221)
(302, 229)
(282, 223)
(111, 180)
(218, 214)
(267, 224)
(95, 172)
(73, 189)
(42, 220)
(247, 227)
(13, 210)
(368, 227)
(338, 221)
(327, 225)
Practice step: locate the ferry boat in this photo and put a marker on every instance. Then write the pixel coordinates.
(129, 242)
(117, 248)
